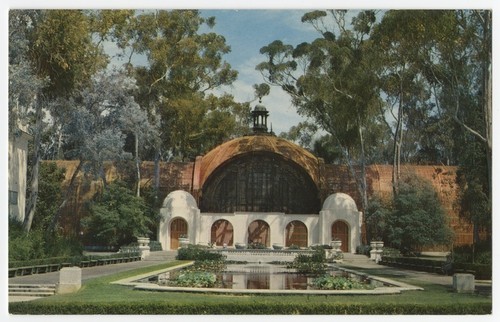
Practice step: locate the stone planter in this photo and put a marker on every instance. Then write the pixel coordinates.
(277, 246)
(143, 246)
(183, 242)
(376, 252)
(143, 241)
(240, 246)
(336, 244)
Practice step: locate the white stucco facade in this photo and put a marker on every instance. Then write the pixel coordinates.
(18, 159)
(180, 207)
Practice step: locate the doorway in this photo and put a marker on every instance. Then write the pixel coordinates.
(340, 230)
(178, 229)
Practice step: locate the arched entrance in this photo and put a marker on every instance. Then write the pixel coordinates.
(259, 232)
(222, 233)
(178, 229)
(296, 234)
(340, 230)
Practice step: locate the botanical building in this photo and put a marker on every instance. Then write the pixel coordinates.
(264, 189)
(260, 189)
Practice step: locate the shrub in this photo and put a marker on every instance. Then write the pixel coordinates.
(363, 250)
(328, 282)
(23, 246)
(310, 268)
(49, 195)
(257, 246)
(310, 264)
(319, 247)
(155, 246)
(214, 266)
(377, 217)
(418, 219)
(391, 252)
(198, 252)
(117, 217)
(194, 279)
(479, 254)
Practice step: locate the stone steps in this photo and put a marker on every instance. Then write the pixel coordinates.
(38, 290)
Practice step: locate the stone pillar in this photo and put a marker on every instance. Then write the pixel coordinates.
(70, 280)
(143, 246)
(376, 251)
(463, 283)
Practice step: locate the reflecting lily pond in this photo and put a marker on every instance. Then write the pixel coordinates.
(263, 277)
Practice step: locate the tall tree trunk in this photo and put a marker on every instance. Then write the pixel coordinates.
(157, 176)
(33, 198)
(137, 165)
(360, 179)
(398, 140)
(59, 144)
(363, 186)
(67, 195)
(487, 95)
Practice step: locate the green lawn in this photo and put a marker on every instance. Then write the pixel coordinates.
(100, 297)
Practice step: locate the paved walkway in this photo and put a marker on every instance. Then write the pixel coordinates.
(350, 260)
(364, 262)
(88, 273)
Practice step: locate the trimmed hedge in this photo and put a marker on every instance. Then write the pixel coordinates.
(45, 265)
(199, 253)
(249, 308)
(414, 263)
(73, 260)
(480, 271)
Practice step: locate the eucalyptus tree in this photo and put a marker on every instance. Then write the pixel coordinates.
(61, 51)
(184, 67)
(96, 129)
(461, 71)
(144, 129)
(446, 55)
(57, 55)
(402, 45)
(180, 80)
(302, 134)
(330, 80)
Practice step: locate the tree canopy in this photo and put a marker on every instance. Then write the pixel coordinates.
(396, 86)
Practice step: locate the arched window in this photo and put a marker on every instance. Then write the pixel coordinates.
(259, 233)
(260, 182)
(296, 234)
(178, 229)
(222, 233)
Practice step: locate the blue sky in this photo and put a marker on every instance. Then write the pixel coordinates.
(246, 31)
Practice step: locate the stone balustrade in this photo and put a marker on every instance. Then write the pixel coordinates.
(261, 255)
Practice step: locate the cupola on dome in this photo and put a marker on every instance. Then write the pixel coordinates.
(259, 116)
(260, 107)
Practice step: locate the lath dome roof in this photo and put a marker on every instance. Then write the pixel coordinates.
(259, 143)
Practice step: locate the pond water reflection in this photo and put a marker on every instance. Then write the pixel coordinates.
(264, 277)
